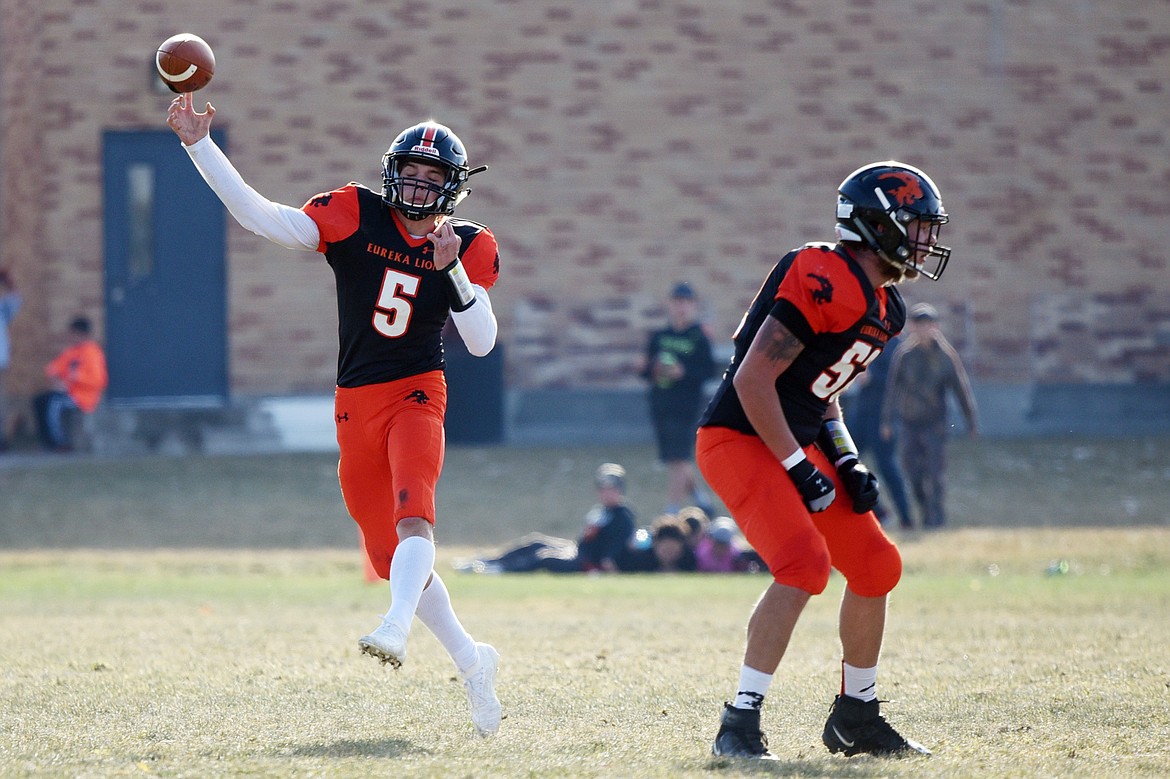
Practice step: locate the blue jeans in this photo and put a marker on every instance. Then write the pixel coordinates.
(51, 408)
(867, 435)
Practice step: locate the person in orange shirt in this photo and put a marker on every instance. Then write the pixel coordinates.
(78, 376)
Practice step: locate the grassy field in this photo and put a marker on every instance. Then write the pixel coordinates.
(490, 495)
(199, 618)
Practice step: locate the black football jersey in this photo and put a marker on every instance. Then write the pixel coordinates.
(825, 299)
(392, 302)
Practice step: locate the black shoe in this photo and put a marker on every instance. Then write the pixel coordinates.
(855, 727)
(739, 735)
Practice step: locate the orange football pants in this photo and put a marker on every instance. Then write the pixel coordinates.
(798, 546)
(392, 445)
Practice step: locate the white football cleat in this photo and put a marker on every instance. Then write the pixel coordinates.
(481, 691)
(387, 643)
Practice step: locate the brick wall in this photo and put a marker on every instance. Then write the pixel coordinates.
(633, 143)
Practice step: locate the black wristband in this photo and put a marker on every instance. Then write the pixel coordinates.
(459, 290)
(801, 471)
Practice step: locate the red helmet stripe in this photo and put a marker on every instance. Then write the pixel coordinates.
(429, 134)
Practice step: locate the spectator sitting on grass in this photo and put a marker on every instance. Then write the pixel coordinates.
(717, 551)
(668, 550)
(696, 521)
(609, 528)
(722, 549)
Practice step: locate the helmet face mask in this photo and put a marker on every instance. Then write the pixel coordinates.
(895, 210)
(418, 197)
(428, 143)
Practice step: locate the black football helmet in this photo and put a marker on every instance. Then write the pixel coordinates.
(896, 210)
(433, 144)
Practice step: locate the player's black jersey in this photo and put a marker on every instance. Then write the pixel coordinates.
(392, 303)
(825, 299)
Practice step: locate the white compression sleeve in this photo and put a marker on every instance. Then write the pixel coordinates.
(477, 325)
(290, 227)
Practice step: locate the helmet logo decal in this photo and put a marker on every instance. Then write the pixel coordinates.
(908, 190)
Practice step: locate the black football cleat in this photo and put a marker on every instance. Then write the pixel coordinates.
(855, 727)
(740, 736)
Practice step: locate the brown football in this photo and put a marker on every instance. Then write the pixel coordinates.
(185, 62)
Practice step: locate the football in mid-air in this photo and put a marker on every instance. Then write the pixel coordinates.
(185, 62)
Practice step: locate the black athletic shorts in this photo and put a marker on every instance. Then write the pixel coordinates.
(676, 437)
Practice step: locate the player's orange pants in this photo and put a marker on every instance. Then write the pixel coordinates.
(799, 547)
(392, 446)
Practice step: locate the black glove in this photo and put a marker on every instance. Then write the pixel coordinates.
(814, 487)
(861, 485)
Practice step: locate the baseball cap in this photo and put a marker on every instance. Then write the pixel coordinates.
(683, 291)
(722, 530)
(923, 311)
(610, 475)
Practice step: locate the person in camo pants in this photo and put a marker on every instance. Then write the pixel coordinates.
(925, 371)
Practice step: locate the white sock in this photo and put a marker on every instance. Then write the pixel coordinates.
(434, 611)
(753, 686)
(413, 562)
(859, 683)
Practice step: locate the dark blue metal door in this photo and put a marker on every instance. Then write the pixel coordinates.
(166, 311)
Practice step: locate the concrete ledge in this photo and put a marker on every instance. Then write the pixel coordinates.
(302, 424)
(598, 416)
(173, 430)
(1098, 409)
(1006, 411)
(577, 416)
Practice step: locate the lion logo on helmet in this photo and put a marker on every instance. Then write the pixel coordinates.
(907, 191)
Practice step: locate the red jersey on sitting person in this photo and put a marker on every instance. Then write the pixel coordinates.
(824, 298)
(391, 300)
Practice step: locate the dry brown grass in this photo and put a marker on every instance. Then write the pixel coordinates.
(231, 663)
(199, 660)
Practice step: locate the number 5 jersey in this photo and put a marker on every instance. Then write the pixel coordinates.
(391, 300)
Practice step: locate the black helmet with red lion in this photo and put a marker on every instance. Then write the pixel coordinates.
(432, 144)
(895, 210)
